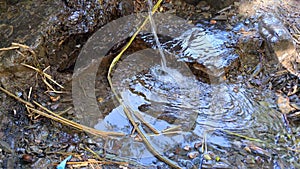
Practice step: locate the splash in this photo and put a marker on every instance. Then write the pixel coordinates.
(167, 72)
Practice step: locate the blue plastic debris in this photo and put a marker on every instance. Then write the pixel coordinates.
(62, 165)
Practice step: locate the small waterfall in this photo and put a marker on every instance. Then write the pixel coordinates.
(153, 28)
(174, 74)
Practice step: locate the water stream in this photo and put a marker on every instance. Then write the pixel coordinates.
(163, 89)
(200, 110)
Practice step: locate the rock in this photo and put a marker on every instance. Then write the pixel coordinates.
(216, 4)
(208, 49)
(219, 4)
(192, 2)
(23, 22)
(280, 42)
(126, 7)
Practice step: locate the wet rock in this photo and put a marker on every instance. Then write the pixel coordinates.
(171, 155)
(20, 150)
(41, 163)
(217, 4)
(207, 49)
(23, 22)
(280, 42)
(183, 162)
(193, 2)
(42, 135)
(126, 7)
(54, 106)
(210, 50)
(35, 149)
(196, 161)
(198, 145)
(71, 148)
(222, 165)
(189, 165)
(22, 19)
(249, 46)
(5, 146)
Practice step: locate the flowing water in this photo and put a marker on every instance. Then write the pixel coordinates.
(153, 28)
(201, 110)
(160, 87)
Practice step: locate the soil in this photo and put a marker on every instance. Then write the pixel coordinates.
(54, 34)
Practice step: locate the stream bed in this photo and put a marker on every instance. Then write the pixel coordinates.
(210, 112)
(220, 121)
(227, 98)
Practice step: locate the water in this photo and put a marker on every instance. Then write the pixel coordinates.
(166, 93)
(201, 110)
(205, 45)
(153, 28)
(172, 73)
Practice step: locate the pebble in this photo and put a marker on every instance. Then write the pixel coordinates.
(189, 165)
(71, 148)
(198, 145)
(171, 155)
(27, 158)
(196, 161)
(193, 154)
(259, 160)
(187, 148)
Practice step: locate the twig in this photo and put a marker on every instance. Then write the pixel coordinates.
(171, 129)
(72, 123)
(94, 153)
(242, 136)
(29, 49)
(138, 115)
(65, 111)
(25, 47)
(44, 75)
(96, 162)
(48, 84)
(29, 93)
(224, 9)
(58, 118)
(93, 161)
(16, 97)
(165, 133)
(20, 45)
(76, 125)
(9, 48)
(58, 92)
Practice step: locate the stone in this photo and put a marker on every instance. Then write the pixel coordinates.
(279, 42)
